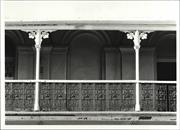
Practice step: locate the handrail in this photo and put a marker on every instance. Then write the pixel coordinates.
(157, 82)
(18, 81)
(89, 112)
(92, 81)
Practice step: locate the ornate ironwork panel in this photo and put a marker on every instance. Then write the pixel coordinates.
(128, 96)
(100, 97)
(115, 96)
(158, 97)
(52, 97)
(161, 97)
(87, 96)
(19, 96)
(73, 96)
(172, 97)
(90, 96)
(46, 99)
(147, 97)
(59, 97)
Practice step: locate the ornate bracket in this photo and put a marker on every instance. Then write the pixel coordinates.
(38, 36)
(137, 36)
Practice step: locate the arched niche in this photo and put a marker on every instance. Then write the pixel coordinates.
(85, 57)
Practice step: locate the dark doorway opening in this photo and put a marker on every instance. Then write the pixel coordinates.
(166, 71)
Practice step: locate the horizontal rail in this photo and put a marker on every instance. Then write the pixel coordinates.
(92, 25)
(89, 112)
(89, 81)
(157, 82)
(20, 81)
(92, 81)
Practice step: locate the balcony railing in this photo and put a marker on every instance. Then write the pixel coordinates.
(57, 95)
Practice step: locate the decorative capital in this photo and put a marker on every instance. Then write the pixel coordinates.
(137, 36)
(45, 34)
(32, 34)
(38, 36)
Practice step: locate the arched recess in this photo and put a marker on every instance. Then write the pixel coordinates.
(101, 35)
(97, 54)
(166, 57)
(85, 57)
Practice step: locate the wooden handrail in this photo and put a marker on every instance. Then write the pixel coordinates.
(91, 81)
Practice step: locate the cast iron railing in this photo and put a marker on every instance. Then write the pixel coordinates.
(57, 95)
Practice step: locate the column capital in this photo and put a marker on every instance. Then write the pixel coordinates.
(38, 36)
(137, 36)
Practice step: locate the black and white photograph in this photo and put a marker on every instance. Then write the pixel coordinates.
(89, 64)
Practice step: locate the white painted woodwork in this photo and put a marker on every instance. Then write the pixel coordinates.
(92, 81)
(38, 48)
(92, 25)
(38, 36)
(136, 36)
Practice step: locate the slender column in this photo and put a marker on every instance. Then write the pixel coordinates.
(38, 36)
(137, 36)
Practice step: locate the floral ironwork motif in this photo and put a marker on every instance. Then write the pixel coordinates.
(19, 96)
(90, 97)
(158, 97)
(146, 95)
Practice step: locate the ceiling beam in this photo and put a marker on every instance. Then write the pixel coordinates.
(93, 25)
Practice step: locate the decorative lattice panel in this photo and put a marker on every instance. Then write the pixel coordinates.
(73, 97)
(158, 97)
(100, 97)
(161, 92)
(88, 96)
(115, 97)
(52, 97)
(59, 97)
(172, 97)
(19, 96)
(128, 97)
(147, 97)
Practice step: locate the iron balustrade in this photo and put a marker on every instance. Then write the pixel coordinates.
(100, 95)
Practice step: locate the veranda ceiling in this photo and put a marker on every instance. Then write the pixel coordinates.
(25, 11)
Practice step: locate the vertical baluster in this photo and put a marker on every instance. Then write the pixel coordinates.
(11, 93)
(107, 96)
(94, 99)
(23, 96)
(66, 96)
(80, 97)
(154, 96)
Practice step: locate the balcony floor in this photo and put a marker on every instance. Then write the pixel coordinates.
(90, 118)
